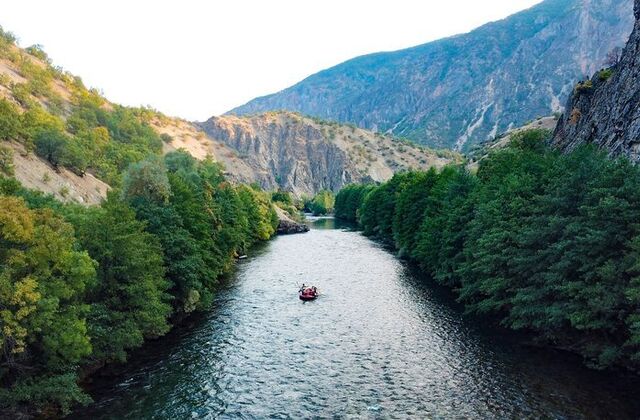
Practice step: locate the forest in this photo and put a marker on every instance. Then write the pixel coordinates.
(544, 242)
(82, 286)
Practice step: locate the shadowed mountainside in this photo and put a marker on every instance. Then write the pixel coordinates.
(466, 89)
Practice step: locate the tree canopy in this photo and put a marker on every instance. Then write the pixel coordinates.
(547, 242)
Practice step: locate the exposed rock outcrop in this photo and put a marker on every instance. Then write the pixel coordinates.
(276, 150)
(606, 109)
(288, 226)
(291, 152)
(462, 90)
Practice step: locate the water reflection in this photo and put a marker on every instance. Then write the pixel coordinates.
(380, 342)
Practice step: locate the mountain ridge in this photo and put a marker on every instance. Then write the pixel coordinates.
(446, 94)
(305, 155)
(91, 139)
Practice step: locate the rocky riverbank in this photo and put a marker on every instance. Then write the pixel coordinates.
(288, 226)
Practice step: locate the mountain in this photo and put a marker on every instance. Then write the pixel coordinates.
(304, 155)
(64, 139)
(465, 89)
(605, 110)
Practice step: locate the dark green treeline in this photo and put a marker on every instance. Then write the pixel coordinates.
(549, 243)
(82, 286)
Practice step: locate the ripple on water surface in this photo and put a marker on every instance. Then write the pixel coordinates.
(377, 343)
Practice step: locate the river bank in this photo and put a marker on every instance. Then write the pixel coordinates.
(102, 369)
(379, 342)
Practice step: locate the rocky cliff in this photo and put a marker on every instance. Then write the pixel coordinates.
(465, 89)
(605, 110)
(276, 150)
(304, 155)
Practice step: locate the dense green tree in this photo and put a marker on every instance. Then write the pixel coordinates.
(411, 203)
(283, 197)
(322, 203)
(378, 210)
(262, 220)
(52, 145)
(10, 126)
(442, 235)
(129, 302)
(547, 242)
(147, 179)
(350, 199)
(43, 280)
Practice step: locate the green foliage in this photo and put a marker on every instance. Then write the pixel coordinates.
(549, 243)
(81, 286)
(42, 284)
(200, 220)
(349, 200)
(37, 51)
(605, 74)
(262, 220)
(410, 205)
(6, 39)
(443, 233)
(6, 160)
(10, 127)
(52, 145)
(322, 203)
(378, 210)
(584, 87)
(283, 197)
(43, 391)
(147, 179)
(129, 302)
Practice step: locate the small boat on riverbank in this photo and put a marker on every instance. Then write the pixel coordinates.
(308, 293)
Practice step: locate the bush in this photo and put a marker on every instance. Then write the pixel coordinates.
(37, 51)
(281, 196)
(584, 87)
(605, 74)
(6, 160)
(321, 204)
(52, 145)
(10, 126)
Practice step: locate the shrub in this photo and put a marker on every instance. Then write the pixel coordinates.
(605, 74)
(10, 127)
(52, 145)
(281, 196)
(322, 203)
(37, 51)
(6, 160)
(584, 87)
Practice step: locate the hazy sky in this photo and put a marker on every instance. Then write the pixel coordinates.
(195, 59)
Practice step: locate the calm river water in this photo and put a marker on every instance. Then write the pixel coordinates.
(378, 343)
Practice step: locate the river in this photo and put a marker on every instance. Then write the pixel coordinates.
(380, 342)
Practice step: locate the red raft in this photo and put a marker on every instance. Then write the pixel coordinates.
(308, 293)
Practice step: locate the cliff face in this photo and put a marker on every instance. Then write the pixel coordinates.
(286, 150)
(606, 109)
(463, 90)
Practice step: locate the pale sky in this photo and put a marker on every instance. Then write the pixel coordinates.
(195, 59)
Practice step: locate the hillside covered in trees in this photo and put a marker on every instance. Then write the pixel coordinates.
(81, 286)
(547, 242)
